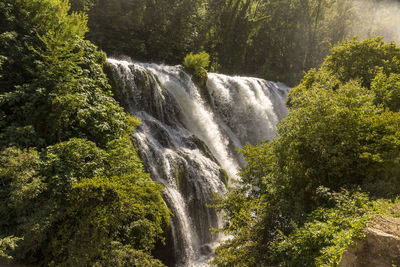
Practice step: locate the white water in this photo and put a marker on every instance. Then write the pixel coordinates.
(251, 107)
(197, 118)
(186, 138)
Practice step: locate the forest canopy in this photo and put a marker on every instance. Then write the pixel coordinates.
(272, 39)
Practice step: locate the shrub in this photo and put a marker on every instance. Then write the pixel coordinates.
(196, 64)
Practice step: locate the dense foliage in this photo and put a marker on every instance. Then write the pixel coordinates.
(343, 131)
(274, 39)
(74, 192)
(329, 231)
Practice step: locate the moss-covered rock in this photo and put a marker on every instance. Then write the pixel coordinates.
(223, 175)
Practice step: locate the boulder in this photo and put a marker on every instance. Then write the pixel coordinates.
(379, 248)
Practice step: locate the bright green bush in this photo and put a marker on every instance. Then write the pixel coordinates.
(196, 64)
(121, 255)
(68, 216)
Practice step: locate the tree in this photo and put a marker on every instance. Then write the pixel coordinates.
(353, 60)
(228, 31)
(274, 39)
(145, 30)
(59, 90)
(105, 214)
(82, 5)
(339, 134)
(296, 36)
(67, 164)
(387, 90)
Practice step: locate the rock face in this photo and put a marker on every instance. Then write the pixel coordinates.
(380, 248)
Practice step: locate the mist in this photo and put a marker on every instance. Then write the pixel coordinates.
(377, 18)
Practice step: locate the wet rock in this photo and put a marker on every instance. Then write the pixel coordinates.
(206, 250)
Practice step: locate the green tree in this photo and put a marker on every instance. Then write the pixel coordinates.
(353, 60)
(339, 134)
(104, 214)
(21, 184)
(7, 245)
(59, 90)
(387, 90)
(228, 29)
(296, 36)
(145, 30)
(274, 39)
(67, 164)
(82, 5)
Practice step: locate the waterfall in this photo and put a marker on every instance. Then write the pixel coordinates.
(189, 137)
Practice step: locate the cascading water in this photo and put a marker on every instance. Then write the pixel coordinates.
(188, 141)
